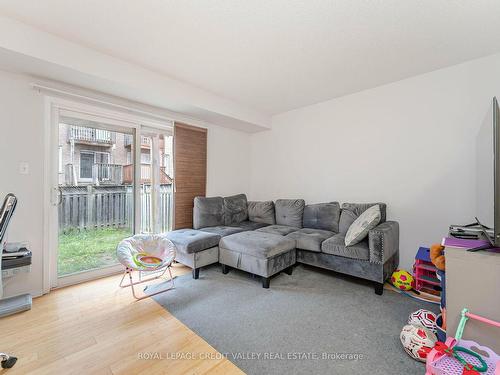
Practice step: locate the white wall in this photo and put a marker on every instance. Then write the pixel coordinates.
(228, 159)
(410, 144)
(22, 140)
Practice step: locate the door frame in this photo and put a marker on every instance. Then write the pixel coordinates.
(54, 106)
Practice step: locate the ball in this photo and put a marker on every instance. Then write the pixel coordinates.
(417, 341)
(423, 318)
(402, 279)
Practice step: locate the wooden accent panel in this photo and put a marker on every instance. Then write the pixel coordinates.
(190, 171)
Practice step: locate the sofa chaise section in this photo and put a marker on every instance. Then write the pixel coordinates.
(195, 248)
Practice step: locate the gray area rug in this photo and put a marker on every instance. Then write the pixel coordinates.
(301, 325)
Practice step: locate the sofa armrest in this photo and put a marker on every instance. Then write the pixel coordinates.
(383, 241)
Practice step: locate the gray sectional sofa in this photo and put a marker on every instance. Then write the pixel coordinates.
(265, 238)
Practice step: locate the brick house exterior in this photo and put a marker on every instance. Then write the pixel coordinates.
(88, 155)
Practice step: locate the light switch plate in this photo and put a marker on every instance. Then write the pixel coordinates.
(24, 167)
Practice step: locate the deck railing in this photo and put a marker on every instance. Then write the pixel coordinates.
(108, 173)
(128, 174)
(91, 135)
(145, 141)
(102, 174)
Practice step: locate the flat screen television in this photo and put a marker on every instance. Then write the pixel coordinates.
(488, 173)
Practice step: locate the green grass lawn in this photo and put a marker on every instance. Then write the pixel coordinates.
(88, 249)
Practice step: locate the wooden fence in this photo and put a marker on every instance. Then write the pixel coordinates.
(89, 207)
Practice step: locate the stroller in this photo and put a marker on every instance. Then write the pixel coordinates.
(8, 207)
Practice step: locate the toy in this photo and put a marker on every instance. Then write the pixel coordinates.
(417, 341)
(425, 273)
(147, 260)
(457, 356)
(402, 279)
(437, 256)
(423, 318)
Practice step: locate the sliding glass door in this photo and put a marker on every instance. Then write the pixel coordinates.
(95, 206)
(111, 179)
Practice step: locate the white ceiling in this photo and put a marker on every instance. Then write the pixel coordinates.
(275, 55)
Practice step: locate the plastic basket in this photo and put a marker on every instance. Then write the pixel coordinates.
(441, 364)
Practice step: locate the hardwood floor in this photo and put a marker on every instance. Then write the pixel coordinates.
(98, 328)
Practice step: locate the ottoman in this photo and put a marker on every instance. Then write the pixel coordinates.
(260, 253)
(195, 248)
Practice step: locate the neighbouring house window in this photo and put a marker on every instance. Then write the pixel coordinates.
(86, 164)
(102, 157)
(87, 161)
(129, 157)
(61, 166)
(145, 157)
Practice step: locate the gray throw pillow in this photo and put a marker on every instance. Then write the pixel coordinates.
(290, 212)
(261, 212)
(347, 217)
(235, 209)
(362, 225)
(323, 216)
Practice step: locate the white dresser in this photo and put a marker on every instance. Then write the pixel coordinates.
(473, 281)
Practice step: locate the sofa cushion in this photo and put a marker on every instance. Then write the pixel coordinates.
(235, 209)
(191, 240)
(309, 238)
(281, 230)
(365, 222)
(336, 246)
(222, 230)
(258, 244)
(208, 212)
(346, 219)
(289, 212)
(322, 216)
(250, 225)
(261, 212)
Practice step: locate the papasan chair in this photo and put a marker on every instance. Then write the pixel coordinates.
(147, 254)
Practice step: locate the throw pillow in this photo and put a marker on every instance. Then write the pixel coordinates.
(362, 225)
(347, 217)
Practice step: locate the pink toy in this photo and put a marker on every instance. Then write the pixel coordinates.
(440, 363)
(425, 272)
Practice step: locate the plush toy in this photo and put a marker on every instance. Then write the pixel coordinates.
(437, 256)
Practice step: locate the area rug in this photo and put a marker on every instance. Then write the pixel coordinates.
(312, 322)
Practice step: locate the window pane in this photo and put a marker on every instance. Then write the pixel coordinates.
(86, 163)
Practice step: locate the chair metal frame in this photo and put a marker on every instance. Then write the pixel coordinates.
(129, 271)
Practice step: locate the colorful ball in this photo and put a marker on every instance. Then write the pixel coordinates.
(423, 318)
(417, 341)
(402, 279)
